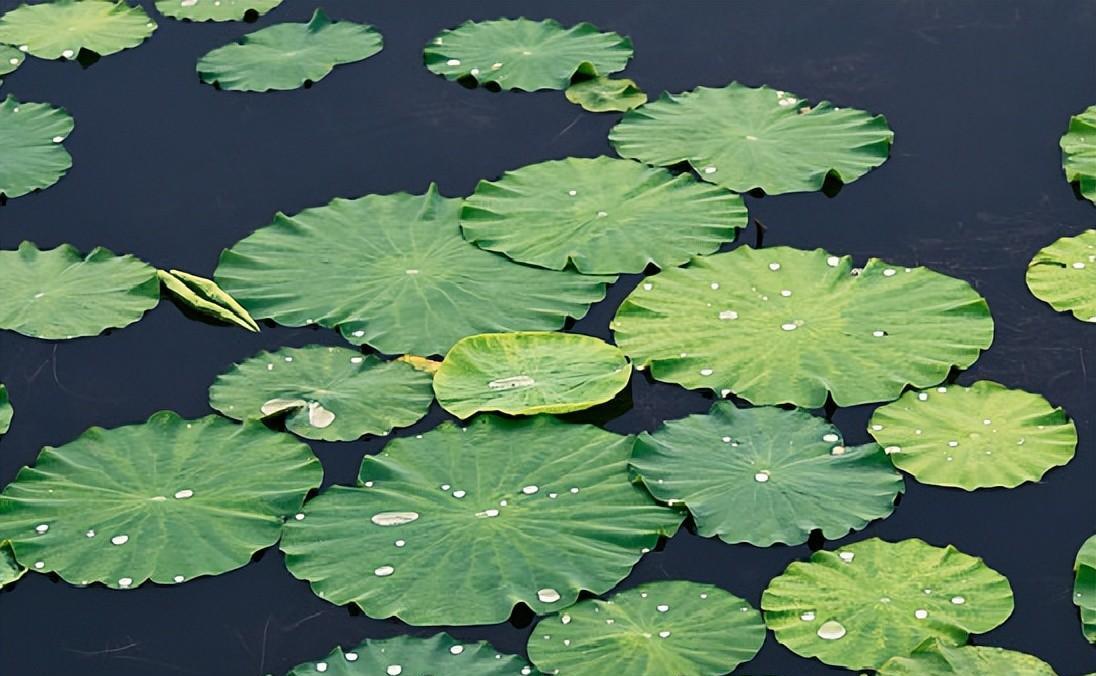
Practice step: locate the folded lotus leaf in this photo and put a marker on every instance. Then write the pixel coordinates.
(1063, 274)
(604, 94)
(933, 658)
(1078, 146)
(61, 28)
(215, 10)
(204, 296)
(31, 155)
(1084, 587)
(412, 655)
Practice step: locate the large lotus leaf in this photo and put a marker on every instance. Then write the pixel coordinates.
(10, 570)
(600, 215)
(933, 658)
(167, 500)
(603, 94)
(1063, 274)
(1084, 587)
(874, 600)
(61, 28)
(393, 272)
(412, 656)
(531, 372)
(460, 525)
(782, 325)
(215, 10)
(526, 55)
(61, 293)
(31, 154)
(766, 475)
(5, 410)
(744, 138)
(329, 393)
(1079, 152)
(974, 437)
(10, 59)
(655, 629)
(288, 55)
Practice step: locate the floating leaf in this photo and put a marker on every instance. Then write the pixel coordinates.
(5, 410)
(874, 600)
(604, 94)
(1084, 587)
(393, 272)
(524, 54)
(782, 325)
(31, 154)
(1079, 152)
(205, 297)
(745, 138)
(1063, 274)
(600, 215)
(329, 393)
(10, 59)
(655, 629)
(61, 293)
(410, 655)
(167, 500)
(933, 658)
(10, 570)
(288, 55)
(766, 475)
(61, 28)
(974, 437)
(530, 372)
(461, 524)
(215, 10)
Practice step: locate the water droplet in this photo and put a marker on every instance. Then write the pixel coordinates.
(662, 607)
(548, 595)
(1079, 266)
(830, 437)
(761, 477)
(68, 53)
(714, 286)
(706, 372)
(487, 513)
(572, 193)
(511, 383)
(648, 286)
(837, 450)
(833, 261)
(384, 571)
(394, 670)
(847, 557)
(39, 564)
(125, 582)
(728, 314)
(90, 534)
(351, 657)
(58, 139)
(41, 528)
(807, 616)
(574, 490)
(602, 214)
(892, 449)
(178, 578)
(920, 613)
(709, 169)
(459, 494)
(774, 266)
(358, 334)
(958, 600)
(664, 634)
(923, 396)
(400, 543)
(890, 272)
(393, 518)
(877, 427)
(356, 360)
(453, 62)
(878, 334)
(785, 293)
(987, 421)
(184, 494)
(953, 444)
(456, 649)
(119, 539)
(789, 326)
(496, 66)
(298, 516)
(321, 666)
(831, 630)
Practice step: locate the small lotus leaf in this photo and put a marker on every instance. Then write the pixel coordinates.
(604, 94)
(10, 570)
(460, 525)
(1063, 274)
(412, 656)
(655, 629)
(1084, 587)
(874, 600)
(10, 59)
(745, 138)
(61, 28)
(5, 410)
(530, 372)
(1079, 152)
(215, 10)
(31, 154)
(933, 658)
(524, 54)
(600, 215)
(974, 437)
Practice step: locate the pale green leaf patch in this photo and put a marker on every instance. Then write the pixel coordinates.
(605, 95)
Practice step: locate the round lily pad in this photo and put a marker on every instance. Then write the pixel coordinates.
(933, 658)
(524, 54)
(61, 293)
(10, 59)
(782, 325)
(61, 28)
(531, 372)
(1084, 587)
(167, 500)
(411, 656)
(1079, 152)
(600, 215)
(1063, 274)
(328, 393)
(10, 570)
(766, 475)
(288, 55)
(393, 272)
(31, 154)
(655, 629)
(744, 138)
(873, 600)
(460, 525)
(604, 95)
(5, 410)
(973, 437)
(215, 10)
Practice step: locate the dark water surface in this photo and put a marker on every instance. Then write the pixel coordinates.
(978, 94)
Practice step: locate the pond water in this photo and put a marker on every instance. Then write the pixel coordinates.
(978, 94)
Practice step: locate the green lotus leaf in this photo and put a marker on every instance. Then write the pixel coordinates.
(393, 272)
(61, 293)
(1084, 587)
(766, 475)
(524, 54)
(973, 437)
(604, 94)
(933, 658)
(411, 656)
(782, 325)
(459, 525)
(167, 500)
(744, 138)
(61, 28)
(530, 372)
(600, 215)
(1063, 274)
(1079, 152)
(874, 600)
(215, 10)
(655, 629)
(10, 59)
(328, 393)
(10, 570)
(205, 297)
(5, 410)
(288, 55)
(31, 154)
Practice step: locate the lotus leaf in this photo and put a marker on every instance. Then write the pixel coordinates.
(1079, 152)
(410, 655)
(604, 94)
(655, 629)
(31, 154)
(600, 215)
(933, 658)
(873, 600)
(10, 59)
(1063, 274)
(5, 410)
(61, 28)
(204, 296)
(524, 54)
(744, 138)
(782, 325)
(459, 525)
(1084, 587)
(215, 10)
